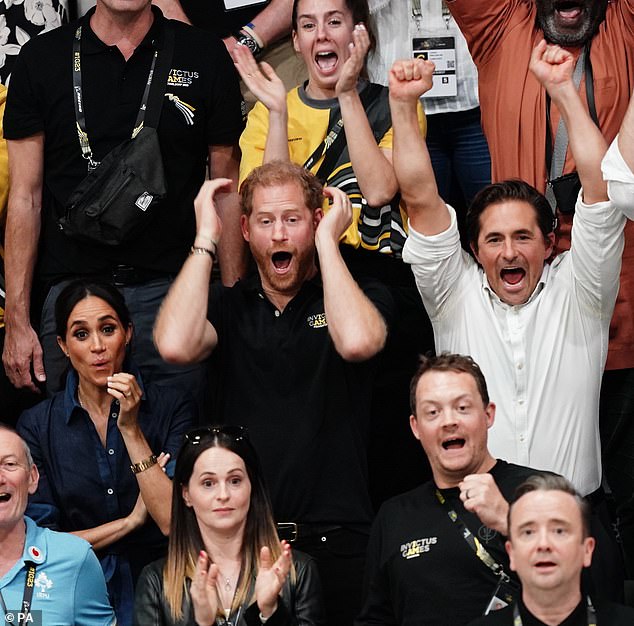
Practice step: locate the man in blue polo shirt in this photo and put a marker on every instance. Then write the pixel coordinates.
(53, 577)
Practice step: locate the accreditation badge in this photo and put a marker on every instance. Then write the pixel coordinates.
(239, 4)
(439, 48)
(506, 592)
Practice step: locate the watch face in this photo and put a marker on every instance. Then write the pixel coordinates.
(249, 43)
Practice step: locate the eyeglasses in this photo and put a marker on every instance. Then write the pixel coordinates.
(197, 435)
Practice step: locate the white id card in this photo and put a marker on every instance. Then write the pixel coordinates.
(238, 4)
(442, 51)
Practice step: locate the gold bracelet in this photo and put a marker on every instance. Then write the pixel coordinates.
(201, 250)
(141, 466)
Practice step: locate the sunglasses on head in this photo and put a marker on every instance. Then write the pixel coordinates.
(198, 435)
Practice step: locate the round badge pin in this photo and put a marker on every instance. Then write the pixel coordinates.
(35, 554)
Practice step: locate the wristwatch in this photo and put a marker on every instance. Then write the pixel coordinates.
(141, 466)
(244, 39)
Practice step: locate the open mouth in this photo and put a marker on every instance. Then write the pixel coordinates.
(453, 444)
(568, 11)
(512, 275)
(326, 61)
(281, 260)
(5, 497)
(543, 565)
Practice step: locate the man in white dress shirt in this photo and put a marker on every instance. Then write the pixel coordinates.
(538, 330)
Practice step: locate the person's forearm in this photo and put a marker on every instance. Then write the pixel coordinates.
(587, 144)
(232, 250)
(276, 147)
(355, 325)
(181, 331)
(102, 536)
(626, 136)
(426, 210)
(21, 239)
(372, 168)
(155, 485)
(274, 21)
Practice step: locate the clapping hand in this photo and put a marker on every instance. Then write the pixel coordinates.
(271, 578)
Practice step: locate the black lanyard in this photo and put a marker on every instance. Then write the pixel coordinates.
(591, 615)
(86, 151)
(480, 551)
(29, 583)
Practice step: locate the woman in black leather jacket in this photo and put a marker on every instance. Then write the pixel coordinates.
(225, 563)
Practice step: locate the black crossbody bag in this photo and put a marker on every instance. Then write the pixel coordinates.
(122, 192)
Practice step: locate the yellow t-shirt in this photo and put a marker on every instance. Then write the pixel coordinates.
(383, 229)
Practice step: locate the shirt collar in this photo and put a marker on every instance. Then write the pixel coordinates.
(253, 284)
(35, 547)
(91, 44)
(538, 289)
(576, 617)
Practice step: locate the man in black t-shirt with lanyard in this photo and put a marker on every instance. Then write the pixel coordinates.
(549, 544)
(200, 118)
(436, 554)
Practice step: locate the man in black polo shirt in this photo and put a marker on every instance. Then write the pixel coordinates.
(291, 355)
(549, 544)
(201, 116)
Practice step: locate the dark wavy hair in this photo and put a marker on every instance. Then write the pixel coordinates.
(82, 288)
(504, 191)
(185, 540)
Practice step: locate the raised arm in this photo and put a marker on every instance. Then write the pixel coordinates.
(626, 136)
(182, 332)
(268, 88)
(22, 349)
(271, 23)
(427, 212)
(553, 67)
(355, 325)
(372, 166)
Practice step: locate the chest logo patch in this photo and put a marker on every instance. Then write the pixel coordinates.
(187, 110)
(44, 584)
(181, 78)
(487, 534)
(415, 548)
(317, 321)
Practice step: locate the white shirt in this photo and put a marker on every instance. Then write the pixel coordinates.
(543, 360)
(620, 180)
(393, 22)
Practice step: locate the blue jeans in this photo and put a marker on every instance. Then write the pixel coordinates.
(143, 302)
(458, 151)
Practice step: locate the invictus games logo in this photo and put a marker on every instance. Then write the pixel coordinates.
(181, 78)
(186, 110)
(317, 321)
(413, 549)
(486, 534)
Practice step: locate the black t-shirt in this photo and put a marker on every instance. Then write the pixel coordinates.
(420, 570)
(306, 408)
(212, 15)
(608, 614)
(202, 107)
